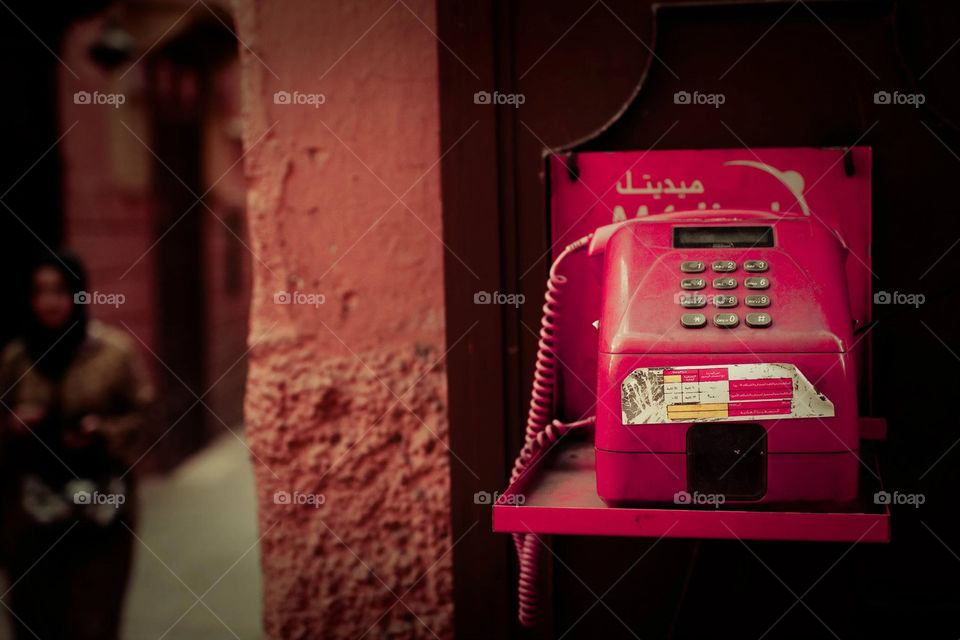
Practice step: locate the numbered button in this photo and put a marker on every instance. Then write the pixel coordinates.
(693, 301)
(759, 320)
(758, 300)
(756, 283)
(726, 320)
(693, 320)
(756, 266)
(724, 301)
(693, 283)
(724, 266)
(724, 283)
(692, 266)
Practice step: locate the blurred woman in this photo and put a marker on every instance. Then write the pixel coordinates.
(73, 398)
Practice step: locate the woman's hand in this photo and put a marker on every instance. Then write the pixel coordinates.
(26, 416)
(89, 426)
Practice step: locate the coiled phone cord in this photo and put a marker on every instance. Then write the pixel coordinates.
(542, 431)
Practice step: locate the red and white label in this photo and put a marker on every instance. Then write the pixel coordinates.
(656, 395)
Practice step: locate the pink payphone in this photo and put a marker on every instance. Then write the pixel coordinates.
(724, 339)
(725, 360)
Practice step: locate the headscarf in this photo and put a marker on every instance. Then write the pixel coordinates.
(52, 350)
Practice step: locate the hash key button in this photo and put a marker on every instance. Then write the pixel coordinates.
(692, 266)
(756, 283)
(755, 266)
(757, 301)
(726, 320)
(693, 320)
(758, 320)
(693, 283)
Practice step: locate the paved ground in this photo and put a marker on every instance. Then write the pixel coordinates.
(199, 532)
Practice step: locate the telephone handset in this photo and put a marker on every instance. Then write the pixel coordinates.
(726, 366)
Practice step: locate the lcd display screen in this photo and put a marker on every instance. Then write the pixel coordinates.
(722, 237)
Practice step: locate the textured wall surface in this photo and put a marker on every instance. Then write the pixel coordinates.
(346, 399)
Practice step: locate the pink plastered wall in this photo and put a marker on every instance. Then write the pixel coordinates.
(346, 393)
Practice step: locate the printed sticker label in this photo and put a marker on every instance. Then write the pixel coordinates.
(724, 393)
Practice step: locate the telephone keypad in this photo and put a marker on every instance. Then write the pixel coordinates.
(725, 283)
(693, 320)
(758, 320)
(726, 320)
(724, 266)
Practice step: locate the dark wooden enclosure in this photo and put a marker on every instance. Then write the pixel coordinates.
(601, 75)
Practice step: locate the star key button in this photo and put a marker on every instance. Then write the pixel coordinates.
(693, 320)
